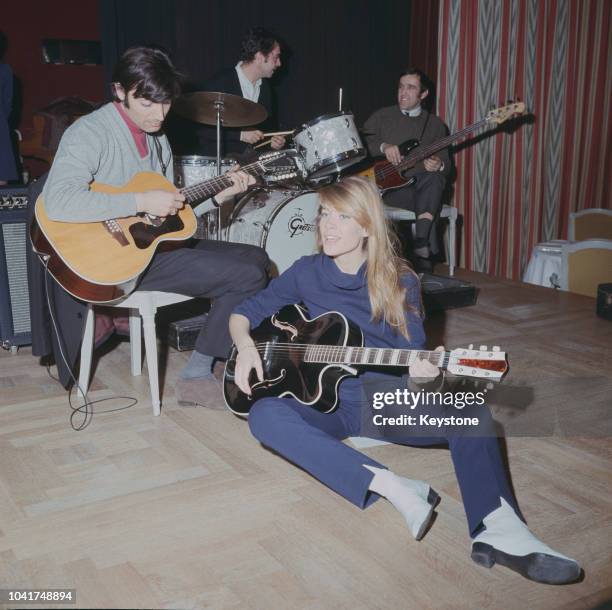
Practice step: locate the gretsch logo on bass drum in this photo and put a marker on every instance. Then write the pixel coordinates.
(297, 225)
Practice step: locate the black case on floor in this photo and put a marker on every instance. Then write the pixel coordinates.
(441, 292)
(180, 324)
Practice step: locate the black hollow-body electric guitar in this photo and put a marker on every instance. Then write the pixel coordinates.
(307, 358)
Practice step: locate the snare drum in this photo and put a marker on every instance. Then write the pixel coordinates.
(282, 222)
(329, 144)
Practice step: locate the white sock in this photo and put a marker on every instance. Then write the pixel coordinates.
(404, 495)
(199, 365)
(506, 532)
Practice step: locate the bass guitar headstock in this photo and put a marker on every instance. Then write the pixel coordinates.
(481, 363)
(503, 113)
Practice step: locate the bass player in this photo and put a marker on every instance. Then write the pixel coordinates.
(390, 127)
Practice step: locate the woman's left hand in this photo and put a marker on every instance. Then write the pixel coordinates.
(423, 371)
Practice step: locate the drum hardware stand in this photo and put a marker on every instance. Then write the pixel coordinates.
(218, 109)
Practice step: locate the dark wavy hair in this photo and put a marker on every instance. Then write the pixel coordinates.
(425, 83)
(257, 40)
(149, 72)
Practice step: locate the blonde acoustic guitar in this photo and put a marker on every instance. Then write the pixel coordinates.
(102, 261)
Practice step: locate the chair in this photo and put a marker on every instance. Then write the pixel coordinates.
(142, 304)
(594, 223)
(448, 211)
(585, 265)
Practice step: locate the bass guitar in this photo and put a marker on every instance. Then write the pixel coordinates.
(101, 261)
(307, 358)
(388, 176)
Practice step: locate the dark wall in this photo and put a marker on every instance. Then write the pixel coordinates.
(26, 24)
(359, 45)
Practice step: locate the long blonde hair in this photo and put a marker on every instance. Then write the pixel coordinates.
(360, 198)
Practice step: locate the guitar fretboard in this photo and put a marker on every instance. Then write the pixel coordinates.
(372, 356)
(422, 153)
(203, 190)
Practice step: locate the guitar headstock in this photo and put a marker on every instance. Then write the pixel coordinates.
(481, 363)
(503, 113)
(280, 165)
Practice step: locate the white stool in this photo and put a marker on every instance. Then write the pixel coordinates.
(448, 211)
(142, 304)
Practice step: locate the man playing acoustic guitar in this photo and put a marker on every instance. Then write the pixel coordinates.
(110, 146)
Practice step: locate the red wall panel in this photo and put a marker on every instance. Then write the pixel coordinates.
(26, 23)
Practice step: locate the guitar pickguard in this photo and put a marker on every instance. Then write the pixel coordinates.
(145, 234)
(289, 328)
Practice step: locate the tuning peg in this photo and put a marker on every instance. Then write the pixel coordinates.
(471, 346)
(496, 348)
(483, 348)
(489, 386)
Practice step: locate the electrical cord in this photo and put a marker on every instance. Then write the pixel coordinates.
(86, 408)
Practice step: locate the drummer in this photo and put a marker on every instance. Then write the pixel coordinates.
(260, 57)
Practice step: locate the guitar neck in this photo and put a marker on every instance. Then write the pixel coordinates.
(196, 193)
(423, 153)
(372, 356)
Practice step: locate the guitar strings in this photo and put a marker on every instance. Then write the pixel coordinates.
(206, 187)
(339, 351)
(425, 152)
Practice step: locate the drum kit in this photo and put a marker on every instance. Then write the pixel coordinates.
(279, 217)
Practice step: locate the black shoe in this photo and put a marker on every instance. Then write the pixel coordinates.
(539, 567)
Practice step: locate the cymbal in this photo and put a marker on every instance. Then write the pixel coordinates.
(236, 111)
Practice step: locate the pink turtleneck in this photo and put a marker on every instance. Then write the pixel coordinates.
(140, 137)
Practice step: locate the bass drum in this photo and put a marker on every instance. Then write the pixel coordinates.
(282, 222)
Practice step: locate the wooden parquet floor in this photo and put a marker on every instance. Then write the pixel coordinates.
(188, 511)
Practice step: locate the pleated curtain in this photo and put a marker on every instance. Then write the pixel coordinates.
(517, 188)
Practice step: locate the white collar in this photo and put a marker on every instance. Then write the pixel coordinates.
(414, 112)
(249, 90)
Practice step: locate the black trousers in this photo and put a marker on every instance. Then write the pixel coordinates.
(227, 273)
(424, 196)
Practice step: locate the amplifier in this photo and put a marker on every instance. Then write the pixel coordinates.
(15, 327)
(604, 301)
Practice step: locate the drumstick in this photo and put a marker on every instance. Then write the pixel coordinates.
(278, 133)
(263, 143)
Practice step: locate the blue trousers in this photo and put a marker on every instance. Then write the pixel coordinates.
(312, 441)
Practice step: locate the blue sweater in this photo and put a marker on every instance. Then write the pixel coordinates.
(317, 282)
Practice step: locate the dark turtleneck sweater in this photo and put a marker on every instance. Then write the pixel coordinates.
(318, 283)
